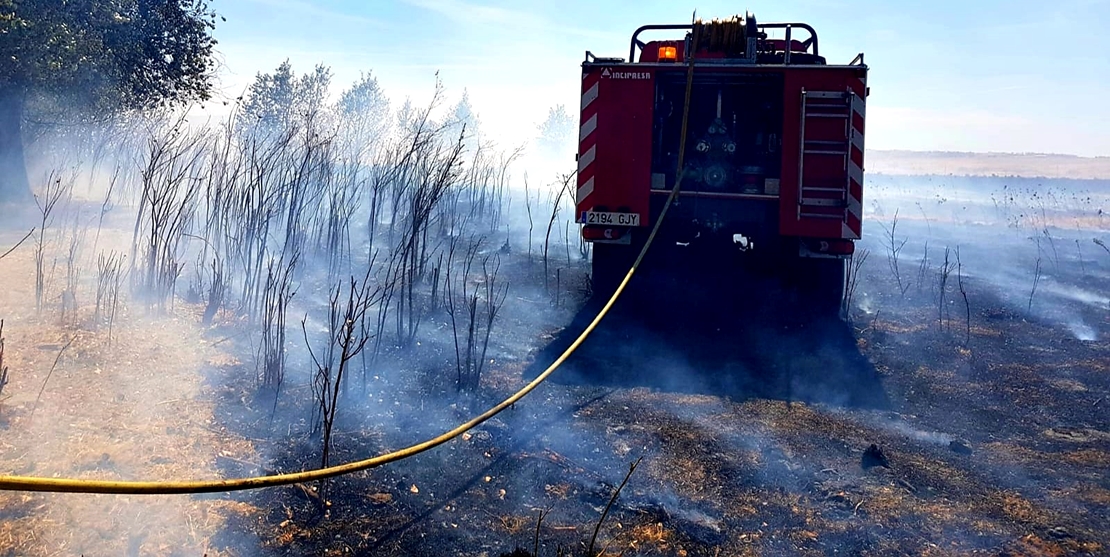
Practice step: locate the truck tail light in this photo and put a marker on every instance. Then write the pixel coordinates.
(832, 247)
(601, 233)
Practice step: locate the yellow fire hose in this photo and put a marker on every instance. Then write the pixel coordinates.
(71, 485)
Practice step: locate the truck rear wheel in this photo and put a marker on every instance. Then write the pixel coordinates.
(610, 264)
(820, 283)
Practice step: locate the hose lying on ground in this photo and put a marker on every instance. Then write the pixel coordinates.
(72, 485)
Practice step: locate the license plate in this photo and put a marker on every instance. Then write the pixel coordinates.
(618, 219)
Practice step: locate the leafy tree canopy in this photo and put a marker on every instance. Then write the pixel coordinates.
(108, 54)
(72, 59)
(364, 111)
(364, 98)
(281, 99)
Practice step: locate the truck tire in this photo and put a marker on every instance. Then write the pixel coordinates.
(610, 264)
(822, 285)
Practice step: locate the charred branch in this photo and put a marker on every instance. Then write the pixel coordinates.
(894, 248)
(55, 190)
(3, 366)
(276, 296)
(109, 279)
(17, 244)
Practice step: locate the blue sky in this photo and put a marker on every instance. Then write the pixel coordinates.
(988, 75)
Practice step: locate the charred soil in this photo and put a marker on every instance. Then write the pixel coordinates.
(752, 420)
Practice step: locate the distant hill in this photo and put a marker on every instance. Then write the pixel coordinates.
(1032, 165)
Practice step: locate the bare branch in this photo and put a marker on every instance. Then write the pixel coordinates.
(19, 243)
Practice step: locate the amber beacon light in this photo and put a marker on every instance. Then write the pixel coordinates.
(668, 54)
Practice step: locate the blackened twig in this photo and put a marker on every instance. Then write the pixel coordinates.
(6, 253)
(613, 499)
(50, 373)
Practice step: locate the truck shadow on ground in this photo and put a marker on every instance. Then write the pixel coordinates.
(719, 334)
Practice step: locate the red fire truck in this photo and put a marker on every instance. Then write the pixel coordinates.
(773, 163)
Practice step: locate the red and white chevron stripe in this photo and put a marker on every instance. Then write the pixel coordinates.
(854, 217)
(587, 139)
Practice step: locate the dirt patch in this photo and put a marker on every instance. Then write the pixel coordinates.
(129, 407)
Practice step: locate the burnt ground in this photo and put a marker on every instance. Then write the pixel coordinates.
(752, 421)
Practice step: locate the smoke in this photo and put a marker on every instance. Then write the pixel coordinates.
(905, 429)
(1028, 241)
(1083, 332)
(207, 216)
(204, 215)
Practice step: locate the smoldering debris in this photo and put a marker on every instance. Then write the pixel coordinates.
(874, 456)
(960, 446)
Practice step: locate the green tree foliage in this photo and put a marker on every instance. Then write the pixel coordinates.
(96, 57)
(364, 112)
(365, 99)
(280, 100)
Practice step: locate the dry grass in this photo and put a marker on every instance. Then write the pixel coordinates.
(133, 409)
(1035, 546)
(650, 536)
(988, 164)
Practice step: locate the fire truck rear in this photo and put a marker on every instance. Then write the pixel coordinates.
(773, 169)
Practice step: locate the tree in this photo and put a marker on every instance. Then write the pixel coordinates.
(96, 57)
(279, 100)
(463, 116)
(270, 98)
(556, 137)
(312, 93)
(364, 112)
